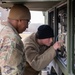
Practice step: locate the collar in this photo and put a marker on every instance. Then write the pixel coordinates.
(14, 30)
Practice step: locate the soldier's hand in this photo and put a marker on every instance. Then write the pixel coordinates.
(57, 45)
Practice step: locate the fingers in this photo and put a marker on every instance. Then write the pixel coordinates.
(58, 45)
(61, 42)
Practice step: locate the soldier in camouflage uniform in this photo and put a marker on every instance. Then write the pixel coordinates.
(12, 60)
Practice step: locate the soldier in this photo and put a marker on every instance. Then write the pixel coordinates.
(38, 50)
(12, 60)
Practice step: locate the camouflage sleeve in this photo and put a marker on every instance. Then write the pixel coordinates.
(6, 48)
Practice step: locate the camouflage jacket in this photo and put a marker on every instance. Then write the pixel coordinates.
(11, 51)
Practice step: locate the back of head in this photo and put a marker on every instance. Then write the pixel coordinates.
(19, 11)
(44, 31)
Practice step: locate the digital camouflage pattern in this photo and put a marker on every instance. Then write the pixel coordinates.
(11, 51)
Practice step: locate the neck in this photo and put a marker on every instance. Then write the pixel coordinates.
(13, 23)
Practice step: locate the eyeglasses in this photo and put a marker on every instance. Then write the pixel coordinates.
(29, 22)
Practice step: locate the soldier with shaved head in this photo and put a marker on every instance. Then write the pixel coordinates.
(12, 61)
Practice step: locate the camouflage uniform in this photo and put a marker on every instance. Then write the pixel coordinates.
(11, 51)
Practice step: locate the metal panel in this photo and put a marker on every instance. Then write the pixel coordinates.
(40, 6)
(28, 0)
